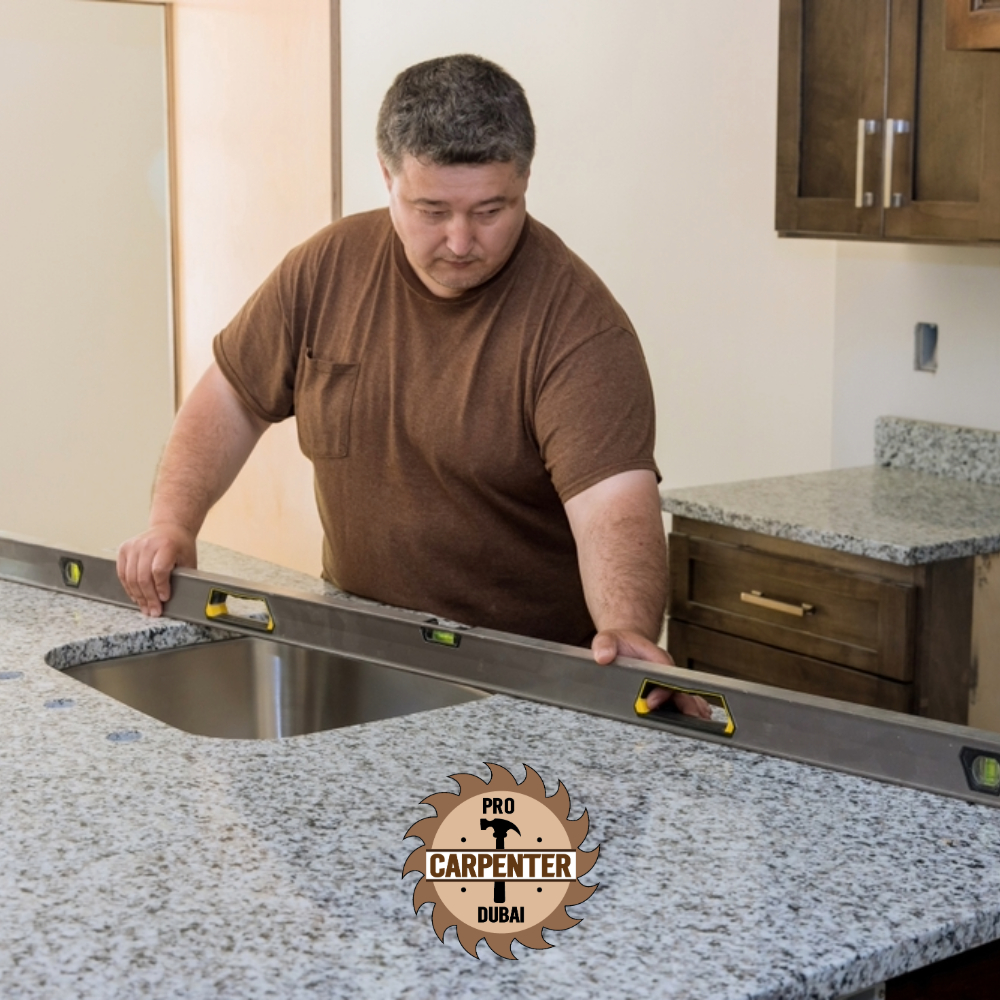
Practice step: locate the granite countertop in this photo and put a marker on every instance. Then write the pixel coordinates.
(897, 515)
(137, 860)
(933, 494)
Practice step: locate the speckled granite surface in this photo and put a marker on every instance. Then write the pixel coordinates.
(897, 515)
(933, 494)
(170, 865)
(940, 449)
(226, 562)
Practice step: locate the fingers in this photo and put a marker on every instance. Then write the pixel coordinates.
(136, 574)
(160, 567)
(126, 570)
(693, 705)
(687, 704)
(605, 648)
(609, 644)
(144, 565)
(640, 648)
(657, 698)
(149, 600)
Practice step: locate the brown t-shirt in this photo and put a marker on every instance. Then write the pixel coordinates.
(447, 433)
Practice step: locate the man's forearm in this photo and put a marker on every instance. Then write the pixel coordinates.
(211, 440)
(212, 437)
(622, 553)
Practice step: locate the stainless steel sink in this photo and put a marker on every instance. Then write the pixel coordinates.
(254, 689)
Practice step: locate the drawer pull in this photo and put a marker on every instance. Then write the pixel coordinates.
(757, 598)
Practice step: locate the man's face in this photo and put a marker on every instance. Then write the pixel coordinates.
(458, 224)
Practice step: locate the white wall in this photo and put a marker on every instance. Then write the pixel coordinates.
(655, 163)
(86, 382)
(882, 292)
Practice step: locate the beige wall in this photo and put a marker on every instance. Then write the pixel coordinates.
(656, 163)
(86, 386)
(254, 178)
(882, 292)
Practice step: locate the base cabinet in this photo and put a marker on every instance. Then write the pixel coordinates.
(822, 622)
(972, 975)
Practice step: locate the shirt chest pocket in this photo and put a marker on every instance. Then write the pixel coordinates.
(323, 402)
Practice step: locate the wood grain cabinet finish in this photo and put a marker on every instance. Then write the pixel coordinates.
(973, 24)
(884, 132)
(823, 622)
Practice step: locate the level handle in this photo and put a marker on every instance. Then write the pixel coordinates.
(721, 722)
(249, 610)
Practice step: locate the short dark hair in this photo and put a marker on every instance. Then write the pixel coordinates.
(456, 109)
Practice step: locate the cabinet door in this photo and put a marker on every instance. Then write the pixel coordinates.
(831, 80)
(942, 176)
(973, 24)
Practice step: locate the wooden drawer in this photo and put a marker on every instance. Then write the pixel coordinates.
(853, 619)
(715, 653)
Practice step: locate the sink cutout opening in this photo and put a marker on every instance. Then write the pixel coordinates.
(255, 688)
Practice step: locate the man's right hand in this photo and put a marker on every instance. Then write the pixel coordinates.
(146, 561)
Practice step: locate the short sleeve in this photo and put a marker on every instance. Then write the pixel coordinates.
(594, 413)
(258, 351)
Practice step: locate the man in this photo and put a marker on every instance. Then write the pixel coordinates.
(474, 401)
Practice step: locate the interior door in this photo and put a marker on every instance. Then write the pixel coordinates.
(831, 105)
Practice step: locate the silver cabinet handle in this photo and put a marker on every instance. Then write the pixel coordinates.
(863, 198)
(893, 127)
(755, 597)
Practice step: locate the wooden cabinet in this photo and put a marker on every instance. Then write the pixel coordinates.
(970, 975)
(973, 24)
(823, 622)
(884, 132)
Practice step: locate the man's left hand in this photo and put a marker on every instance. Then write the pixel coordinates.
(612, 643)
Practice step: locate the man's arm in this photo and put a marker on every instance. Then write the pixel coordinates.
(618, 529)
(211, 439)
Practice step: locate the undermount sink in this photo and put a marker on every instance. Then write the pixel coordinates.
(254, 689)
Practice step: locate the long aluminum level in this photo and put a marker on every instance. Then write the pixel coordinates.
(906, 750)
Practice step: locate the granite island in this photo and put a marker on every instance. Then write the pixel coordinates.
(137, 860)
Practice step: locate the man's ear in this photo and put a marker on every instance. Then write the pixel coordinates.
(386, 175)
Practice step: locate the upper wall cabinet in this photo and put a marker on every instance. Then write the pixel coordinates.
(973, 24)
(883, 132)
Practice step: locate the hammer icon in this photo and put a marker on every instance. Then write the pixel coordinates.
(501, 827)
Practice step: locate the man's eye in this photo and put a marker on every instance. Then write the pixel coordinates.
(488, 213)
(429, 213)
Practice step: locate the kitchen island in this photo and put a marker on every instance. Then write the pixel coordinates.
(138, 860)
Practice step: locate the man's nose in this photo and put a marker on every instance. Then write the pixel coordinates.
(459, 238)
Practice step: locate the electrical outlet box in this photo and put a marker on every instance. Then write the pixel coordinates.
(925, 343)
